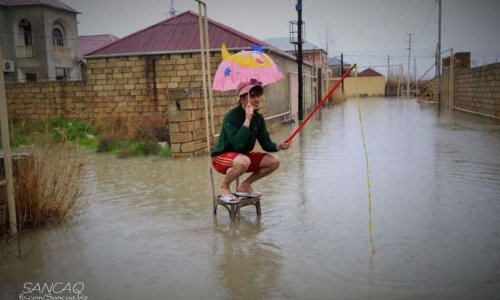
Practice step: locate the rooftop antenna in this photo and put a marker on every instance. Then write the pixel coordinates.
(172, 11)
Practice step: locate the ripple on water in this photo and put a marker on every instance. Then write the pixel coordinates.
(402, 262)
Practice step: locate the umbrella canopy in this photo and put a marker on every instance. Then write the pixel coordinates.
(244, 66)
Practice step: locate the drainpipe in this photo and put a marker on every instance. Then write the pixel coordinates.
(452, 78)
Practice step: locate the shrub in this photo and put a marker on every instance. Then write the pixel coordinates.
(110, 142)
(48, 186)
(151, 127)
(55, 130)
(116, 124)
(165, 152)
(130, 148)
(137, 136)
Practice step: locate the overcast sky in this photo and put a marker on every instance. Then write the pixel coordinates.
(366, 31)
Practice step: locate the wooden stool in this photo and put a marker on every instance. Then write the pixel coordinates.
(234, 207)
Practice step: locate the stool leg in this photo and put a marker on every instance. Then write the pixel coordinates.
(257, 207)
(232, 212)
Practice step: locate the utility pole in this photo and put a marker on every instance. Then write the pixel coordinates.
(388, 65)
(408, 76)
(298, 7)
(415, 75)
(342, 69)
(172, 11)
(438, 57)
(327, 42)
(388, 73)
(7, 155)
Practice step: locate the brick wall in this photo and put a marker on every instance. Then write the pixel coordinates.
(474, 89)
(40, 100)
(478, 89)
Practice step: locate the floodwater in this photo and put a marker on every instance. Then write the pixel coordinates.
(430, 230)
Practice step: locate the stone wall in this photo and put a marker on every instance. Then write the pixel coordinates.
(134, 85)
(474, 89)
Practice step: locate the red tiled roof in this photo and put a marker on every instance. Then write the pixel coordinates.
(369, 73)
(89, 43)
(179, 33)
(51, 3)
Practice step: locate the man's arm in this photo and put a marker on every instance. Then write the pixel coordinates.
(264, 139)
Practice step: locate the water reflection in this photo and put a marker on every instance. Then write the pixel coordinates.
(249, 268)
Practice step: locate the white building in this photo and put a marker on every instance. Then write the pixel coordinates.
(39, 39)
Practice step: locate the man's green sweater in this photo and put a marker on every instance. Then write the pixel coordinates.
(234, 137)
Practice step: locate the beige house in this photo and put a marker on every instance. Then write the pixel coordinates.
(369, 83)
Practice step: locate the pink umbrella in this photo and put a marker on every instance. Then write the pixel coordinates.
(244, 66)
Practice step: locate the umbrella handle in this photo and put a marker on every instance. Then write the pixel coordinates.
(289, 139)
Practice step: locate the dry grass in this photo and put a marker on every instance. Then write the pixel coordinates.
(49, 186)
(150, 127)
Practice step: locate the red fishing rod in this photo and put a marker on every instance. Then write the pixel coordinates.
(288, 140)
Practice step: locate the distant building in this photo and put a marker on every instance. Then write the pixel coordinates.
(90, 43)
(368, 83)
(311, 53)
(335, 66)
(39, 41)
(369, 72)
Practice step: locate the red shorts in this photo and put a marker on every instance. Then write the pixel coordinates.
(224, 161)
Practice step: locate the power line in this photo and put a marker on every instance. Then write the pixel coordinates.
(428, 19)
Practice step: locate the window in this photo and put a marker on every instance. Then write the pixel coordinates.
(57, 37)
(60, 74)
(25, 31)
(30, 77)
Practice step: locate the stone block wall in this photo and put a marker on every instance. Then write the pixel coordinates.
(42, 100)
(478, 89)
(133, 85)
(474, 89)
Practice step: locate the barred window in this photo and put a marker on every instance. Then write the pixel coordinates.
(57, 37)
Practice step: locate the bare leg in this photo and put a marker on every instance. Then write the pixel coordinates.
(268, 165)
(240, 165)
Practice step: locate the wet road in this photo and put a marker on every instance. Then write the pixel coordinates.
(148, 231)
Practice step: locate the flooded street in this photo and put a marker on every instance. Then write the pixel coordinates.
(147, 230)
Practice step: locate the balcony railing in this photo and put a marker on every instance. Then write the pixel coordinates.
(25, 51)
(62, 52)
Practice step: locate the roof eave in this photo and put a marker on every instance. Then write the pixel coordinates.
(281, 53)
(41, 4)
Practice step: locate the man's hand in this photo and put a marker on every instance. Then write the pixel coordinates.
(249, 111)
(283, 146)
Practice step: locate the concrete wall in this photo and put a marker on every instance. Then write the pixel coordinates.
(365, 86)
(278, 96)
(476, 90)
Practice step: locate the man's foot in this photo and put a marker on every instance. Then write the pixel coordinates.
(247, 192)
(228, 198)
